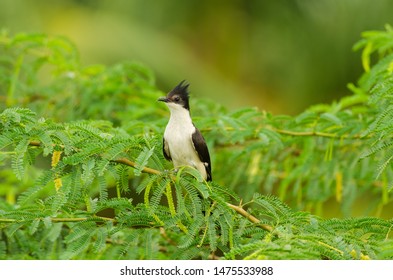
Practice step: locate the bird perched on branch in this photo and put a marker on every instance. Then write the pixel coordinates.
(183, 143)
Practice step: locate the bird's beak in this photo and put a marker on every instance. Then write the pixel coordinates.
(163, 99)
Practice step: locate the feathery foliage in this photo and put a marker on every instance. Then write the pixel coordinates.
(83, 176)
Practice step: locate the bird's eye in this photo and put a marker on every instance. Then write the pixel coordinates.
(177, 98)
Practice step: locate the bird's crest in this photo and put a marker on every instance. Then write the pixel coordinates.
(180, 95)
(181, 89)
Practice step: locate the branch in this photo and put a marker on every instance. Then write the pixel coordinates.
(61, 220)
(238, 209)
(294, 133)
(250, 217)
(315, 133)
(134, 165)
(307, 133)
(149, 170)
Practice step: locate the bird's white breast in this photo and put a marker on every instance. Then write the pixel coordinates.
(178, 136)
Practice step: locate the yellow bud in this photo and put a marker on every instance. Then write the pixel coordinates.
(58, 183)
(55, 158)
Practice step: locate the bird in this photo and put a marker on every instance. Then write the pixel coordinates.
(183, 143)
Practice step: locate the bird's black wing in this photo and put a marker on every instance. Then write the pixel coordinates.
(165, 150)
(201, 148)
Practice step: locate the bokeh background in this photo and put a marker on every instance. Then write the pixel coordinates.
(280, 56)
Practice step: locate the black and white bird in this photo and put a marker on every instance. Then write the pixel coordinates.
(183, 143)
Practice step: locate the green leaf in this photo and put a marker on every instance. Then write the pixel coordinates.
(142, 160)
(331, 118)
(18, 160)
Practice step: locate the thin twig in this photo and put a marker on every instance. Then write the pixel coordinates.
(134, 165)
(62, 220)
(307, 133)
(250, 217)
(35, 143)
(317, 133)
(293, 133)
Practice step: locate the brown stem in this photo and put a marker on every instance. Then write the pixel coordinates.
(134, 165)
(250, 217)
(60, 220)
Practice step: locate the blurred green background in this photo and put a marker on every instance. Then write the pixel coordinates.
(281, 55)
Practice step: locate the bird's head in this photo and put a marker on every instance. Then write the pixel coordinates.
(177, 97)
